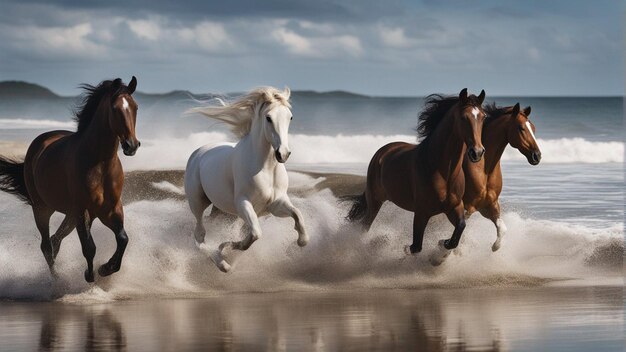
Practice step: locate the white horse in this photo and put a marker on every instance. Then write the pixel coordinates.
(247, 179)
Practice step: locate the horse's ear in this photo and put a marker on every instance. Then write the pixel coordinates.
(527, 111)
(481, 97)
(463, 95)
(287, 92)
(515, 110)
(117, 83)
(132, 85)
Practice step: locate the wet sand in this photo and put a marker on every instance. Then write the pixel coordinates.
(494, 319)
(140, 185)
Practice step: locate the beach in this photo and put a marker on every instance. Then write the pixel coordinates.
(556, 283)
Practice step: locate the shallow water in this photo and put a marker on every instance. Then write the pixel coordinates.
(512, 319)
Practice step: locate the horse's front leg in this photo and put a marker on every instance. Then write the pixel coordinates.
(492, 212)
(114, 220)
(245, 210)
(457, 217)
(283, 208)
(419, 226)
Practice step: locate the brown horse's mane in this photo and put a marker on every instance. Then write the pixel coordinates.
(435, 108)
(91, 99)
(493, 112)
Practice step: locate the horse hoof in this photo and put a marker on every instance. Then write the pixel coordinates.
(409, 250)
(447, 244)
(89, 276)
(436, 261)
(303, 240)
(224, 266)
(496, 246)
(106, 270)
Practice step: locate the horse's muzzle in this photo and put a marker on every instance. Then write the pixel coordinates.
(280, 158)
(130, 147)
(535, 158)
(475, 154)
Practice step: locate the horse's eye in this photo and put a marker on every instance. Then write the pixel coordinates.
(521, 128)
(291, 118)
(268, 118)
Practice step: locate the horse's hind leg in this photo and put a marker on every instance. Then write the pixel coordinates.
(83, 227)
(115, 222)
(42, 220)
(373, 207)
(198, 204)
(66, 227)
(493, 213)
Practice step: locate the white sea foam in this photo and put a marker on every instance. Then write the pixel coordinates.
(162, 259)
(11, 124)
(167, 153)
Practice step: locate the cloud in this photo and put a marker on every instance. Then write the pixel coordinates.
(318, 47)
(55, 41)
(145, 29)
(326, 44)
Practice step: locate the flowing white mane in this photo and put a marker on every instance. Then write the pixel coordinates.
(240, 113)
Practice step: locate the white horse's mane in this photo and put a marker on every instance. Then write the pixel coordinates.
(240, 113)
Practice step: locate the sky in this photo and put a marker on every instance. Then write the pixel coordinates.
(382, 48)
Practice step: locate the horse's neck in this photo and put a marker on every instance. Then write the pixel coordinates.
(446, 148)
(98, 140)
(495, 141)
(260, 149)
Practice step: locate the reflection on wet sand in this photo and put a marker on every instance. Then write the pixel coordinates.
(427, 320)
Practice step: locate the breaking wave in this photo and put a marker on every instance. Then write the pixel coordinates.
(170, 152)
(14, 124)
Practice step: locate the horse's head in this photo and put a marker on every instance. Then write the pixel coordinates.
(276, 116)
(471, 113)
(124, 115)
(521, 134)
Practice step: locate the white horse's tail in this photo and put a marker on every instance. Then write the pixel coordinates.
(240, 113)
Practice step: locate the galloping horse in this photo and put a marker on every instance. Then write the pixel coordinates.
(247, 179)
(483, 180)
(427, 178)
(79, 173)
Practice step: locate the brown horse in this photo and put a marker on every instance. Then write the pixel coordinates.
(483, 180)
(427, 178)
(79, 173)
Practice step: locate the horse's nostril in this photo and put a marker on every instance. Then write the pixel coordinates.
(536, 157)
(138, 144)
(277, 154)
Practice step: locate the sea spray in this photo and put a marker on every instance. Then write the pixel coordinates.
(163, 260)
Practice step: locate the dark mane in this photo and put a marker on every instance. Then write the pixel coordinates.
(493, 112)
(91, 99)
(435, 108)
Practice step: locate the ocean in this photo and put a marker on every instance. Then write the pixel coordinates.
(565, 221)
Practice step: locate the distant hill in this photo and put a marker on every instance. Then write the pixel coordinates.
(25, 90)
(19, 89)
(332, 93)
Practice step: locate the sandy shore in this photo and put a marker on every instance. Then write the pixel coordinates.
(143, 185)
